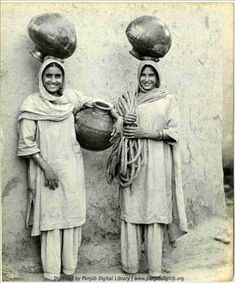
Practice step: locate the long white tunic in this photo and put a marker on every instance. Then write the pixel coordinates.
(149, 200)
(64, 207)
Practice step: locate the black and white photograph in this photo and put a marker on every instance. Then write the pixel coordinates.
(117, 141)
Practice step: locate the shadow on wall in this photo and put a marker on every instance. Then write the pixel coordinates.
(228, 181)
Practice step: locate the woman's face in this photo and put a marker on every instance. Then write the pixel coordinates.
(52, 80)
(148, 79)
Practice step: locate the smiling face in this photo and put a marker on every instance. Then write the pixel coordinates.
(148, 79)
(52, 79)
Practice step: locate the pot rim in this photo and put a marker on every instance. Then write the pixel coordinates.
(101, 105)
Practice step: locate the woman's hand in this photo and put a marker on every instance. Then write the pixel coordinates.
(117, 129)
(134, 132)
(130, 118)
(51, 178)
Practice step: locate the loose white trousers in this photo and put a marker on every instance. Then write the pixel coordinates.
(132, 238)
(59, 248)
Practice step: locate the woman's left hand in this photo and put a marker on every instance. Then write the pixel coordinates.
(117, 129)
(134, 132)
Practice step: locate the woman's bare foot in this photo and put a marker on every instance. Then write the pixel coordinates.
(165, 269)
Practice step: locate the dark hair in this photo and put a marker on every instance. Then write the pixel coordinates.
(54, 64)
(155, 72)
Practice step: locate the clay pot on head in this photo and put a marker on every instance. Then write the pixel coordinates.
(94, 126)
(149, 37)
(53, 35)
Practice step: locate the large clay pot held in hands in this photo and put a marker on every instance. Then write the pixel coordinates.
(149, 36)
(53, 35)
(94, 126)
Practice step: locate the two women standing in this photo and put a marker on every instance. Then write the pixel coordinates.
(152, 203)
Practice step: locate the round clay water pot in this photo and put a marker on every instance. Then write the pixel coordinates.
(53, 35)
(149, 36)
(94, 126)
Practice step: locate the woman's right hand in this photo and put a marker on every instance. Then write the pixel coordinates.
(130, 118)
(51, 179)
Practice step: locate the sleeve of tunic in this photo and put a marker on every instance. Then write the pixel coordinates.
(77, 98)
(27, 138)
(172, 122)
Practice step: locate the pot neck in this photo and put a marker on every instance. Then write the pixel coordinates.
(101, 107)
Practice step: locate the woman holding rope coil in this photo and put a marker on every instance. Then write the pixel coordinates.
(153, 202)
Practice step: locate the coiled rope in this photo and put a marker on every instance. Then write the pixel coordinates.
(126, 159)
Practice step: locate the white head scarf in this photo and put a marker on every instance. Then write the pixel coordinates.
(144, 96)
(43, 105)
(144, 64)
(43, 92)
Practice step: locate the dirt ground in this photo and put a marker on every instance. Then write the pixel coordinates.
(198, 257)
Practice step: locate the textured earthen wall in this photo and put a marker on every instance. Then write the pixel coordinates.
(102, 66)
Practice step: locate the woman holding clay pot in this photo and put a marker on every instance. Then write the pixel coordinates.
(57, 201)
